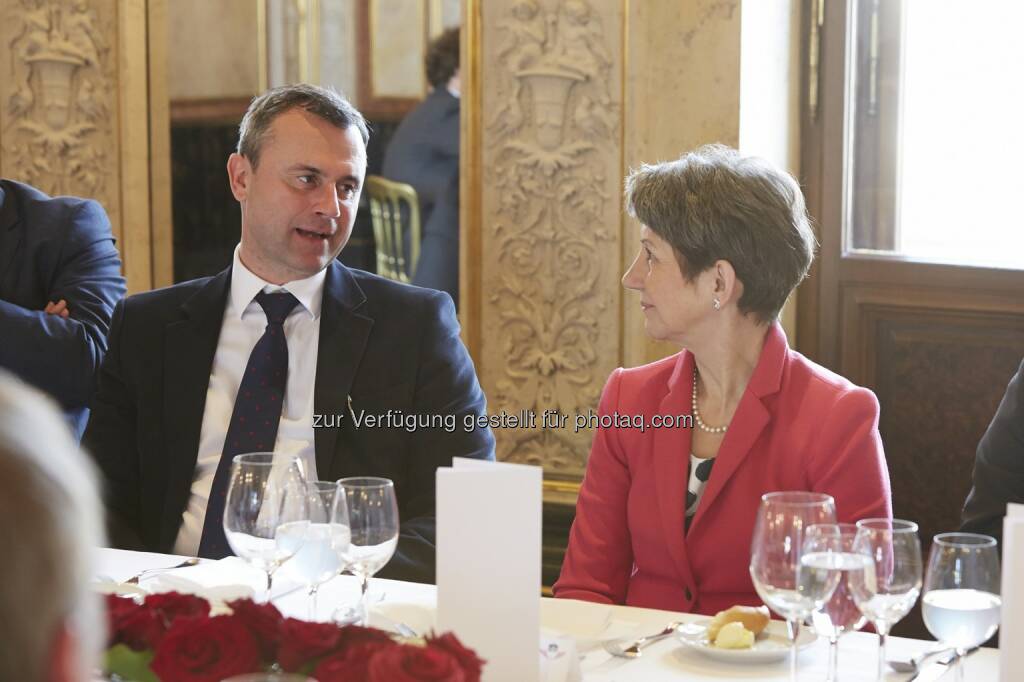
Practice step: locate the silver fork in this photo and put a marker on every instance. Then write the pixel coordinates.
(634, 648)
(134, 580)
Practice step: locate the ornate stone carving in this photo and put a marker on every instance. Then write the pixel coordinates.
(58, 105)
(551, 219)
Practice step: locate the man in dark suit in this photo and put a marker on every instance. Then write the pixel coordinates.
(998, 465)
(424, 152)
(60, 277)
(201, 371)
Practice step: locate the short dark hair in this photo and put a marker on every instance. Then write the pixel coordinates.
(442, 60)
(326, 103)
(715, 204)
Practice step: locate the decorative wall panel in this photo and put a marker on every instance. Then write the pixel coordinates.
(59, 97)
(551, 220)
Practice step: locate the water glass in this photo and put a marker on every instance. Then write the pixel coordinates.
(372, 512)
(321, 556)
(893, 548)
(266, 513)
(961, 600)
(830, 566)
(775, 553)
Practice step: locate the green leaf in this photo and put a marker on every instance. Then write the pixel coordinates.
(130, 665)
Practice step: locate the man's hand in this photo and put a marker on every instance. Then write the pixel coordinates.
(58, 308)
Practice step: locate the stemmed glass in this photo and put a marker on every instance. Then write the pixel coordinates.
(320, 557)
(266, 513)
(961, 600)
(775, 552)
(373, 522)
(887, 595)
(828, 558)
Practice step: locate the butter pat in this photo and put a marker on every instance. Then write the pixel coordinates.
(734, 636)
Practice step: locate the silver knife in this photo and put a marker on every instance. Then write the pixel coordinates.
(939, 667)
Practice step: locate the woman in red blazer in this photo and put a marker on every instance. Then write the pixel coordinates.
(666, 512)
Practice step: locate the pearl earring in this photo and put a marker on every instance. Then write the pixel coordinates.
(717, 304)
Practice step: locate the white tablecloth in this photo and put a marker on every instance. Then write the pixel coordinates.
(666, 660)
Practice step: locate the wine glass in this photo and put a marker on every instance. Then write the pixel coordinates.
(266, 514)
(828, 558)
(894, 549)
(320, 557)
(775, 552)
(961, 600)
(373, 525)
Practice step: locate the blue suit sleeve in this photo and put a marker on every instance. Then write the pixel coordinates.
(62, 355)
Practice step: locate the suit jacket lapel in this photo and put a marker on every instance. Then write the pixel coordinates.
(749, 420)
(189, 348)
(671, 460)
(343, 336)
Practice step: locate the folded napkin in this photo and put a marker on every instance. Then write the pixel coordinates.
(216, 581)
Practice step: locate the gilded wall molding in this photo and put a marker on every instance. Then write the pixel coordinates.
(551, 221)
(58, 97)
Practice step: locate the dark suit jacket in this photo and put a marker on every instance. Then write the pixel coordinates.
(387, 345)
(424, 151)
(998, 465)
(438, 266)
(52, 249)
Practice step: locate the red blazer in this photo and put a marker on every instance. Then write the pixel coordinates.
(798, 427)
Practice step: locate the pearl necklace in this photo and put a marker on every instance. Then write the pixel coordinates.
(696, 412)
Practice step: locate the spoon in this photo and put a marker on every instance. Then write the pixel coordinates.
(632, 649)
(910, 665)
(134, 580)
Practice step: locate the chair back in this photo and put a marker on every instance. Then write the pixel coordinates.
(386, 199)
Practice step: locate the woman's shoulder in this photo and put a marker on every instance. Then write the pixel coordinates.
(645, 383)
(821, 386)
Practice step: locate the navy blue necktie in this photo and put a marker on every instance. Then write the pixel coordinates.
(255, 417)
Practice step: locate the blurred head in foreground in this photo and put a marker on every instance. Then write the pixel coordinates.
(50, 524)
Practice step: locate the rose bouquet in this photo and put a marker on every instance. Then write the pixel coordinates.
(172, 637)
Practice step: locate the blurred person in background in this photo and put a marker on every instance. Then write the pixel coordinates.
(424, 153)
(50, 523)
(60, 278)
(665, 515)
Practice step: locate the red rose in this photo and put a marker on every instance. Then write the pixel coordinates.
(356, 634)
(408, 663)
(263, 621)
(352, 663)
(471, 664)
(173, 605)
(301, 642)
(206, 650)
(132, 624)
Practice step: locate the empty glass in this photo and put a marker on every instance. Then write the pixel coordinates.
(775, 553)
(961, 600)
(266, 514)
(373, 523)
(893, 548)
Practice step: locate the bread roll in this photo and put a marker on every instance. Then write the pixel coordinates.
(754, 618)
(734, 636)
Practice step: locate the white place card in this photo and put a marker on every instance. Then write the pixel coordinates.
(1011, 629)
(488, 563)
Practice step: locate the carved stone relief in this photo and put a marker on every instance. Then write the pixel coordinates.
(58, 97)
(551, 221)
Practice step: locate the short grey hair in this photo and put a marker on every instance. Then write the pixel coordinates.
(715, 204)
(51, 523)
(325, 103)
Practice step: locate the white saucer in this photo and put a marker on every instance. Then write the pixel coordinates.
(769, 646)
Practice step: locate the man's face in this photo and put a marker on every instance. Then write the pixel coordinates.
(299, 204)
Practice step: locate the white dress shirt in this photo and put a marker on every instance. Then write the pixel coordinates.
(243, 325)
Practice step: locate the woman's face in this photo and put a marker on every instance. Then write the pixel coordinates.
(672, 306)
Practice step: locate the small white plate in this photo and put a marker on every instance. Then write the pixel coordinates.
(769, 646)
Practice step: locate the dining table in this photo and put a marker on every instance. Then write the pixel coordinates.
(665, 660)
